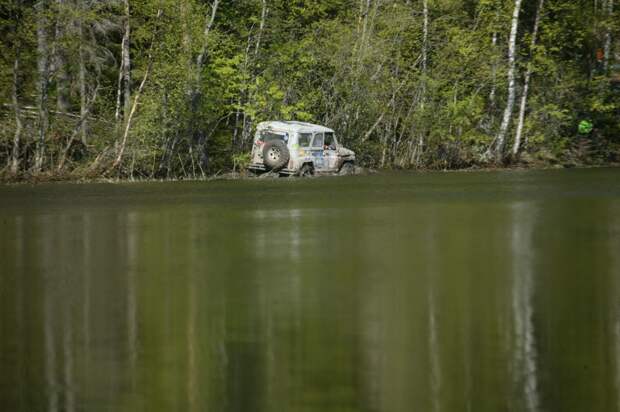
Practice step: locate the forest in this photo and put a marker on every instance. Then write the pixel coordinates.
(173, 89)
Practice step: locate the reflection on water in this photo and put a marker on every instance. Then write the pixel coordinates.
(50, 357)
(436, 292)
(523, 253)
(433, 345)
(614, 247)
(433, 339)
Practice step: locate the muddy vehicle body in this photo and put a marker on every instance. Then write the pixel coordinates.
(298, 148)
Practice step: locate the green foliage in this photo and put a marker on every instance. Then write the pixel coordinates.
(357, 67)
(240, 161)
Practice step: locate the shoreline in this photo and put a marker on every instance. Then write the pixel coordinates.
(50, 179)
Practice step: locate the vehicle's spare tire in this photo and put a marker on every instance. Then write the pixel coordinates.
(275, 155)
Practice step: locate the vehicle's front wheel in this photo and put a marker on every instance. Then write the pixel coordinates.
(306, 171)
(347, 169)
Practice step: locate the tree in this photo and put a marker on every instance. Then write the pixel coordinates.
(17, 18)
(124, 72)
(14, 163)
(526, 83)
(198, 133)
(60, 58)
(43, 81)
(404, 83)
(607, 50)
(500, 140)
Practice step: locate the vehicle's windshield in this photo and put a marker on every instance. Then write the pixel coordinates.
(330, 142)
(267, 136)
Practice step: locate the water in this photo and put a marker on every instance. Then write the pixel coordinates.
(396, 292)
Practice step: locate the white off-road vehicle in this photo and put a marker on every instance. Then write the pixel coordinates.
(298, 148)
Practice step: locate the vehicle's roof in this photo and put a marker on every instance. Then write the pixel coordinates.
(292, 126)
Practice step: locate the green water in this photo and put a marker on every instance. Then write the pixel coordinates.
(491, 291)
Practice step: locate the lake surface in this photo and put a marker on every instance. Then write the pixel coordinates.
(489, 291)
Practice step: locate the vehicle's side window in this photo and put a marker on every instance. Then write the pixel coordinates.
(319, 138)
(267, 136)
(329, 140)
(304, 139)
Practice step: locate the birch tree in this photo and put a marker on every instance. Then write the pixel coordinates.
(420, 145)
(63, 79)
(123, 91)
(82, 74)
(199, 136)
(500, 139)
(14, 163)
(526, 82)
(494, 64)
(607, 49)
(493, 74)
(134, 105)
(247, 122)
(42, 81)
(425, 36)
(399, 88)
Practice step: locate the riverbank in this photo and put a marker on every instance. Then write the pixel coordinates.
(43, 178)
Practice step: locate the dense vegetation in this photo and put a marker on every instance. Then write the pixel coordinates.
(173, 88)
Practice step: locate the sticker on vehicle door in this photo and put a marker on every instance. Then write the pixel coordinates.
(318, 159)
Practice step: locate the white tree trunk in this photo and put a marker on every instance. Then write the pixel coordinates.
(119, 86)
(364, 29)
(134, 106)
(526, 85)
(500, 140)
(42, 82)
(425, 37)
(246, 124)
(242, 94)
(126, 62)
(82, 81)
(205, 45)
(184, 10)
(123, 89)
(14, 164)
(132, 111)
(62, 78)
(493, 74)
(198, 135)
(420, 144)
(360, 17)
(607, 49)
(261, 27)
